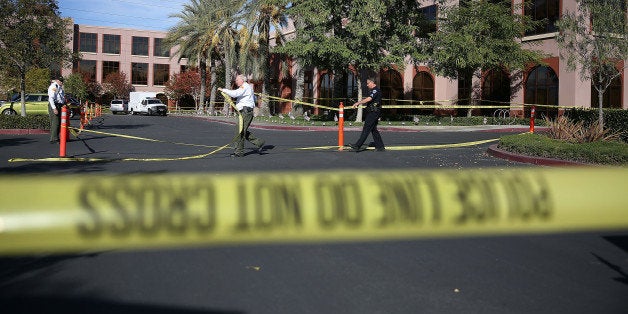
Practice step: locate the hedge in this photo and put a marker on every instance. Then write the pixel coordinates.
(29, 122)
(614, 119)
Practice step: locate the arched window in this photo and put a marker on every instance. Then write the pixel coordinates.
(350, 88)
(541, 88)
(612, 95)
(308, 89)
(495, 91)
(464, 91)
(543, 10)
(391, 85)
(325, 89)
(423, 88)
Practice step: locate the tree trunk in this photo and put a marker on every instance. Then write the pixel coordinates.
(264, 54)
(358, 116)
(297, 109)
(203, 68)
(600, 101)
(212, 96)
(23, 95)
(225, 107)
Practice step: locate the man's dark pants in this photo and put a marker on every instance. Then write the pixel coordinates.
(247, 117)
(55, 123)
(370, 126)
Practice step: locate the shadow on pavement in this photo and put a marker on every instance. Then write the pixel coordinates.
(20, 278)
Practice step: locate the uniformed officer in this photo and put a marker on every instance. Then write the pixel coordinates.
(56, 99)
(373, 111)
(245, 102)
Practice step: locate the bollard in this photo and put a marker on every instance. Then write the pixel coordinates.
(63, 134)
(532, 114)
(341, 126)
(84, 115)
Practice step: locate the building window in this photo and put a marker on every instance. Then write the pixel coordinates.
(464, 92)
(111, 44)
(140, 46)
(160, 50)
(541, 88)
(428, 24)
(139, 73)
(350, 88)
(183, 68)
(109, 67)
(495, 91)
(423, 88)
(547, 11)
(391, 85)
(88, 69)
(161, 74)
(88, 42)
(611, 97)
(326, 90)
(308, 87)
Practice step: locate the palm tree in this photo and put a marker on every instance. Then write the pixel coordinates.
(261, 15)
(198, 35)
(225, 39)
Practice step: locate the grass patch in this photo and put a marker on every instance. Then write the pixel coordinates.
(599, 152)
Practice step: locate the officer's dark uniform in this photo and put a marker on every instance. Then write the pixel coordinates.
(373, 112)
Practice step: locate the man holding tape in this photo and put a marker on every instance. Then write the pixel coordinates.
(245, 102)
(373, 111)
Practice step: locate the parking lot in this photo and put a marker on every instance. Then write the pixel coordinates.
(516, 273)
(181, 144)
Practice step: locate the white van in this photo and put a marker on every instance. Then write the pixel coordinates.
(147, 103)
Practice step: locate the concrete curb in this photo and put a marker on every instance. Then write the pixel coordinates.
(23, 131)
(494, 151)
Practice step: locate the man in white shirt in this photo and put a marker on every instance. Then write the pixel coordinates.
(56, 99)
(245, 102)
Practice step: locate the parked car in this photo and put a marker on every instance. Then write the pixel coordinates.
(119, 105)
(37, 104)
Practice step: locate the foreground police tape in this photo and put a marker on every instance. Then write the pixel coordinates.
(173, 210)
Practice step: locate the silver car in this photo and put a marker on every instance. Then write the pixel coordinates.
(119, 105)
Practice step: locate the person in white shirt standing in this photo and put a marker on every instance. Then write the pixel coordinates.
(56, 100)
(245, 102)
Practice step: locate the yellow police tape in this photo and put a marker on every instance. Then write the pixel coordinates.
(240, 123)
(95, 212)
(415, 147)
(422, 104)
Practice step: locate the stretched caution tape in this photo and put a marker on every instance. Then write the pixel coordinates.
(172, 210)
(233, 105)
(423, 104)
(415, 147)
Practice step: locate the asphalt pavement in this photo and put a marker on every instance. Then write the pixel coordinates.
(127, 144)
(543, 273)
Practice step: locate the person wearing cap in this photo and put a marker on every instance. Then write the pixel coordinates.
(56, 99)
(245, 102)
(373, 108)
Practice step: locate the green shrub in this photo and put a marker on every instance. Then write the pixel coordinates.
(616, 120)
(28, 122)
(534, 144)
(562, 128)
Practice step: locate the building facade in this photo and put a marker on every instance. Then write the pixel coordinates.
(140, 54)
(412, 82)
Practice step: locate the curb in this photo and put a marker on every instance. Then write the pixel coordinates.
(494, 151)
(23, 131)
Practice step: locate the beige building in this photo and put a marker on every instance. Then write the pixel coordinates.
(411, 82)
(140, 54)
